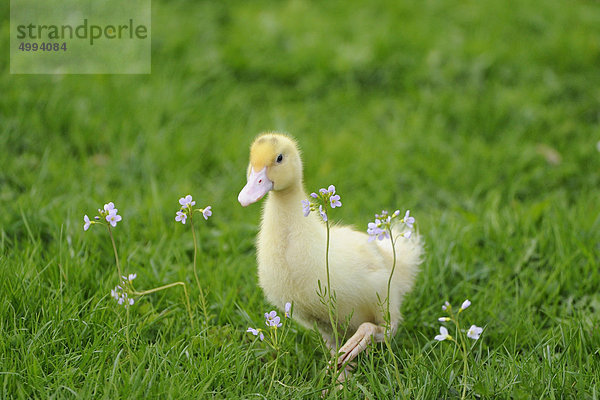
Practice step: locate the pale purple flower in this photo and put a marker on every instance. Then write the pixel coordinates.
(314, 195)
(465, 304)
(181, 216)
(131, 277)
(375, 231)
(288, 309)
(323, 191)
(331, 189)
(372, 231)
(381, 232)
(256, 332)
(407, 234)
(474, 332)
(408, 220)
(87, 223)
(323, 213)
(207, 212)
(121, 296)
(187, 201)
(110, 207)
(443, 334)
(380, 228)
(113, 218)
(306, 207)
(272, 319)
(276, 322)
(443, 319)
(396, 213)
(446, 306)
(335, 200)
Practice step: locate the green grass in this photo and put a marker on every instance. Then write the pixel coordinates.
(447, 108)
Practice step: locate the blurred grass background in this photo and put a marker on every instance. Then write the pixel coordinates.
(482, 117)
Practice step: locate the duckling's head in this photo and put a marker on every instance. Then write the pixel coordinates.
(274, 165)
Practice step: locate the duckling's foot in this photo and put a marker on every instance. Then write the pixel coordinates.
(365, 333)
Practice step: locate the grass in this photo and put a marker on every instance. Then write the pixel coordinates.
(480, 116)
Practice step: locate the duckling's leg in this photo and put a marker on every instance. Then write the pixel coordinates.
(366, 332)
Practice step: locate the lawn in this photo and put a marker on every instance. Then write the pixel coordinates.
(481, 117)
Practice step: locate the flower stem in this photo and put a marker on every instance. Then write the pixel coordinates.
(388, 344)
(465, 370)
(195, 250)
(331, 306)
(327, 264)
(273, 374)
(388, 318)
(170, 285)
(463, 347)
(202, 298)
(112, 239)
(129, 343)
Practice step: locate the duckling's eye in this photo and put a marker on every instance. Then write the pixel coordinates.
(280, 158)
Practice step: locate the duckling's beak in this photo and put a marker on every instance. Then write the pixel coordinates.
(258, 185)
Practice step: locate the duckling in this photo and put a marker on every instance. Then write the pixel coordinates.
(291, 254)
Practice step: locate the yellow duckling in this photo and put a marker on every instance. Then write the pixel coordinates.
(291, 254)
